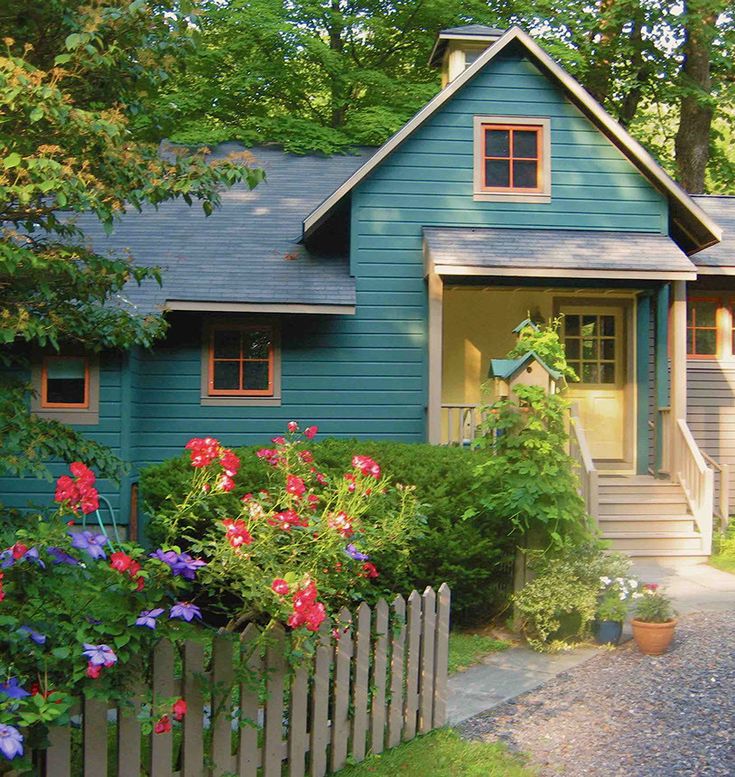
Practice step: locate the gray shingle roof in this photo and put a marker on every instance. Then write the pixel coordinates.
(722, 209)
(551, 249)
(473, 29)
(237, 254)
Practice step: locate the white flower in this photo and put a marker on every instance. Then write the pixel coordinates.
(623, 596)
(637, 595)
(605, 580)
(633, 583)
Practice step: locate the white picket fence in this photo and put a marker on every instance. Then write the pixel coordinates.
(380, 683)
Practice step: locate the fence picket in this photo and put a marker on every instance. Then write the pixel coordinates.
(163, 688)
(397, 663)
(273, 735)
(298, 714)
(361, 677)
(441, 657)
(95, 738)
(192, 747)
(413, 634)
(248, 753)
(222, 682)
(128, 739)
(377, 711)
(341, 691)
(319, 734)
(426, 680)
(58, 755)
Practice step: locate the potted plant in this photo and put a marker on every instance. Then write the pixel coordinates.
(612, 608)
(654, 621)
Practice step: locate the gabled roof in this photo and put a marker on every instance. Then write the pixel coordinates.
(468, 32)
(690, 226)
(524, 324)
(719, 259)
(506, 369)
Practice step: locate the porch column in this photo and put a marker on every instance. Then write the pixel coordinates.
(679, 351)
(643, 355)
(662, 367)
(436, 312)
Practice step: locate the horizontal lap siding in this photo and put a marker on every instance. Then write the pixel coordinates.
(29, 492)
(711, 411)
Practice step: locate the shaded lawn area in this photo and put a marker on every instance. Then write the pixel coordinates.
(466, 649)
(441, 753)
(725, 562)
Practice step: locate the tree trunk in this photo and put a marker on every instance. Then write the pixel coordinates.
(696, 109)
(336, 44)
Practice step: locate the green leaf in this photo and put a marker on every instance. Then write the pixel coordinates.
(62, 59)
(12, 160)
(36, 114)
(73, 41)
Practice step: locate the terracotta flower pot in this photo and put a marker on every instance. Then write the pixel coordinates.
(653, 639)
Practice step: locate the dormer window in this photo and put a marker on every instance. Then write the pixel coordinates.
(512, 159)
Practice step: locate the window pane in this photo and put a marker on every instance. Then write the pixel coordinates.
(589, 349)
(571, 347)
(227, 376)
(590, 373)
(255, 376)
(589, 326)
(571, 325)
(524, 144)
(607, 325)
(525, 175)
(497, 143)
(227, 344)
(705, 313)
(705, 341)
(607, 373)
(497, 173)
(256, 344)
(65, 381)
(608, 349)
(690, 341)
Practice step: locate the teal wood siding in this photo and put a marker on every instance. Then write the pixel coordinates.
(29, 492)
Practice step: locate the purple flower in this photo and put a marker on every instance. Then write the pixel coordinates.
(8, 558)
(99, 655)
(91, 543)
(355, 554)
(186, 611)
(37, 637)
(13, 690)
(60, 556)
(11, 742)
(148, 618)
(32, 555)
(186, 566)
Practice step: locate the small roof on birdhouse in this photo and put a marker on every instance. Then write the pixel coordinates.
(506, 369)
(525, 323)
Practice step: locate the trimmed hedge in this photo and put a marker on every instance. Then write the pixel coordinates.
(473, 556)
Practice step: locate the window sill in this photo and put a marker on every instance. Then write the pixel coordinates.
(74, 417)
(240, 401)
(541, 198)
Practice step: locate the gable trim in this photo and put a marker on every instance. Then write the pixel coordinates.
(611, 128)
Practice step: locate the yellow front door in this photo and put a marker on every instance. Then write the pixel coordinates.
(594, 340)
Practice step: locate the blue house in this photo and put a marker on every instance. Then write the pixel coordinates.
(368, 293)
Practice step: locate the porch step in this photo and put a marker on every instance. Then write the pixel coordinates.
(653, 507)
(646, 523)
(653, 542)
(668, 557)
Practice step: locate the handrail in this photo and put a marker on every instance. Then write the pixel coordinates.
(459, 422)
(697, 480)
(723, 502)
(588, 474)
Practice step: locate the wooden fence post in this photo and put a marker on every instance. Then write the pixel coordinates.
(273, 734)
(319, 735)
(397, 663)
(341, 693)
(413, 628)
(192, 747)
(248, 753)
(58, 755)
(128, 739)
(380, 664)
(222, 683)
(361, 678)
(441, 656)
(426, 693)
(163, 688)
(94, 750)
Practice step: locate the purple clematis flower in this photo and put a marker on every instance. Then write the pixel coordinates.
(90, 543)
(355, 554)
(186, 566)
(186, 611)
(11, 742)
(60, 556)
(13, 690)
(36, 636)
(99, 655)
(148, 618)
(32, 555)
(9, 558)
(6, 559)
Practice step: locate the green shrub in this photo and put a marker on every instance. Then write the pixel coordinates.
(472, 556)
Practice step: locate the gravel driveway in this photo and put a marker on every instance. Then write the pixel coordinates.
(623, 713)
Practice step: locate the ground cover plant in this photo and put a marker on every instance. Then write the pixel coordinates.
(724, 550)
(466, 649)
(472, 555)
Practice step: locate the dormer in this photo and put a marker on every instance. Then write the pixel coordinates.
(456, 48)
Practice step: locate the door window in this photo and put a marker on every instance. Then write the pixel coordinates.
(590, 341)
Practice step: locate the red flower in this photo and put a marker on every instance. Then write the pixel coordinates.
(179, 709)
(280, 586)
(237, 532)
(341, 523)
(306, 456)
(279, 440)
(203, 451)
(651, 586)
(321, 478)
(310, 432)
(230, 463)
(295, 485)
(94, 670)
(293, 427)
(163, 725)
(134, 568)
(120, 561)
(269, 455)
(19, 550)
(313, 501)
(139, 584)
(287, 519)
(367, 466)
(79, 494)
(225, 483)
(369, 570)
(350, 478)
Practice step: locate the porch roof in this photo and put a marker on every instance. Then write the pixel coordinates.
(555, 253)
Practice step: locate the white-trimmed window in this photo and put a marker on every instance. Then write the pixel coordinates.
(512, 159)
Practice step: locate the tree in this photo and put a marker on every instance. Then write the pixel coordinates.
(72, 142)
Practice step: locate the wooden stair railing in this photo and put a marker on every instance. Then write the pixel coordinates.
(587, 472)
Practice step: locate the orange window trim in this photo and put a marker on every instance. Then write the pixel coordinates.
(512, 128)
(213, 392)
(716, 328)
(44, 388)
